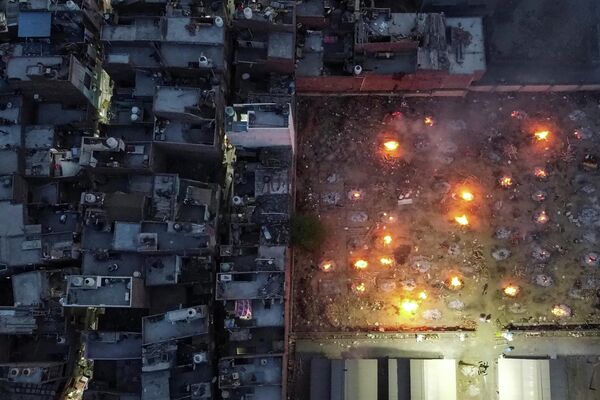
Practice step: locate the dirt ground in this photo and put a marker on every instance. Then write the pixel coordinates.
(539, 235)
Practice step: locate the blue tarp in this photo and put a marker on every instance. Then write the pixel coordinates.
(34, 24)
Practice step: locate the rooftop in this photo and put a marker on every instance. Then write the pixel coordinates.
(176, 324)
(250, 285)
(100, 291)
(103, 345)
(250, 371)
(166, 29)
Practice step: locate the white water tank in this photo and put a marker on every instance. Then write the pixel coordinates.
(357, 69)
(112, 143)
(219, 21)
(248, 13)
(76, 281)
(134, 117)
(183, 314)
(90, 198)
(89, 281)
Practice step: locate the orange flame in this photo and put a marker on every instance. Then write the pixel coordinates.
(506, 181)
(360, 287)
(423, 295)
(391, 145)
(511, 290)
(455, 282)
(542, 135)
(386, 261)
(428, 121)
(361, 264)
(540, 173)
(462, 220)
(326, 266)
(387, 240)
(409, 306)
(542, 217)
(559, 311)
(467, 196)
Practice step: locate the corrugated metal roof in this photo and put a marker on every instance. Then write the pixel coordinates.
(34, 24)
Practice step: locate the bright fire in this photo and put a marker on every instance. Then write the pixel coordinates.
(360, 287)
(387, 240)
(356, 195)
(506, 181)
(560, 311)
(391, 145)
(409, 306)
(423, 295)
(455, 282)
(511, 290)
(542, 135)
(428, 121)
(386, 261)
(466, 195)
(540, 173)
(542, 217)
(462, 220)
(326, 266)
(361, 264)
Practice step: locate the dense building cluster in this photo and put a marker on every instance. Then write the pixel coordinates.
(146, 191)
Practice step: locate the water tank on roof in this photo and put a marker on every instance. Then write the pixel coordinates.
(248, 13)
(219, 21)
(89, 281)
(112, 143)
(237, 201)
(135, 110)
(14, 372)
(181, 315)
(200, 358)
(71, 5)
(134, 117)
(229, 111)
(90, 198)
(357, 70)
(77, 281)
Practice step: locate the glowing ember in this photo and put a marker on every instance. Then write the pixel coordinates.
(361, 264)
(355, 194)
(511, 290)
(466, 195)
(540, 173)
(387, 240)
(561, 310)
(506, 181)
(423, 295)
(462, 220)
(538, 195)
(541, 135)
(386, 261)
(541, 217)
(428, 121)
(326, 265)
(409, 306)
(391, 145)
(592, 259)
(359, 287)
(455, 282)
